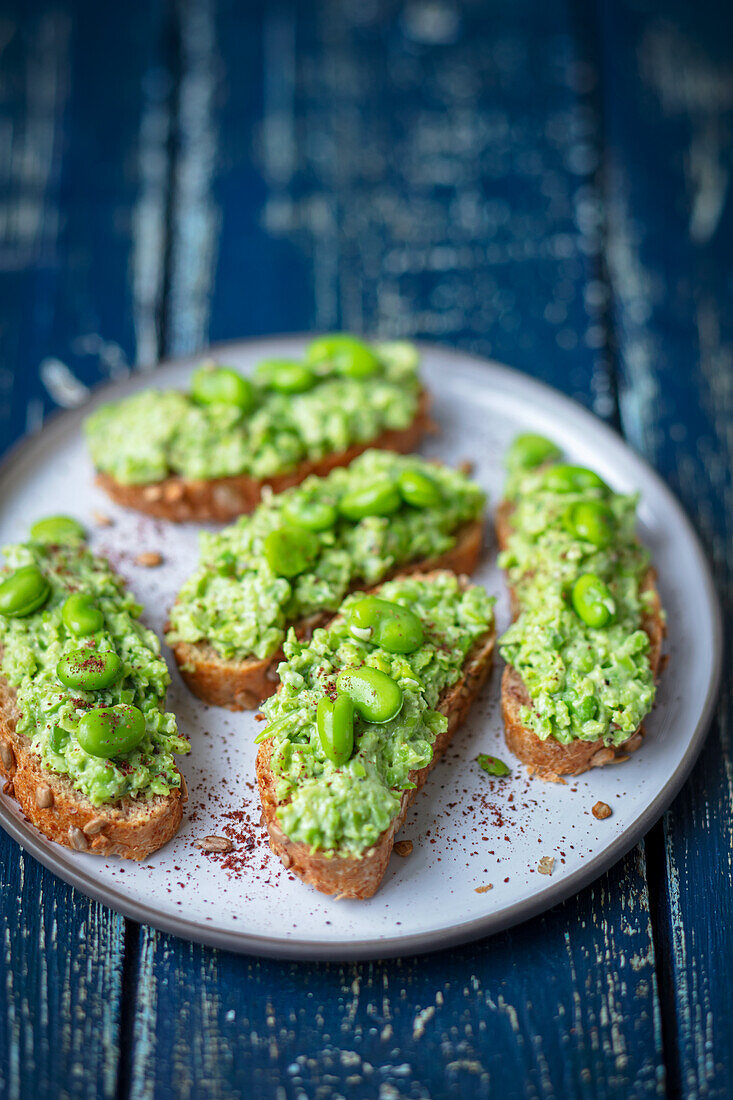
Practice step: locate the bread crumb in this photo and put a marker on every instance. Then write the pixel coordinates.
(484, 889)
(150, 558)
(601, 810)
(403, 847)
(546, 865)
(214, 844)
(102, 519)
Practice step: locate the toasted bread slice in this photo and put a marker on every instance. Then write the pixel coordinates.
(243, 685)
(131, 828)
(220, 499)
(550, 759)
(360, 877)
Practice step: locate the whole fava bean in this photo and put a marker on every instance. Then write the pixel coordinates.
(572, 479)
(23, 592)
(375, 695)
(290, 550)
(58, 530)
(107, 732)
(309, 512)
(285, 375)
(347, 355)
(592, 601)
(389, 625)
(590, 520)
(419, 489)
(80, 614)
(335, 721)
(529, 450)
(222, 386)
(380, 498)
(89, 671)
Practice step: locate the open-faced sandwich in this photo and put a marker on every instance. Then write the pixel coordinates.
(585, 648)
(292, 562)
(86, 745)
(208, 454)
(364, 710)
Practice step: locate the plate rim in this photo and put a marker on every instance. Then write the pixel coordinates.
(197, 931)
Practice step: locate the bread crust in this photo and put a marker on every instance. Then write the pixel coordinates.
(186, 500)
(360, 877)
(549, 759)
(129, 828)
(243, 685)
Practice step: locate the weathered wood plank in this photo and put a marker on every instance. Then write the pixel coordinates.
(80, 106)
(670, 227)
(409, 180)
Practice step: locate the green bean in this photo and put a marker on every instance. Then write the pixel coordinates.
(107, 732)
(58, 531)
(335, 722)
(592, 601)
(376, 696)
(389, 625)
(290, 550)
(23, 592)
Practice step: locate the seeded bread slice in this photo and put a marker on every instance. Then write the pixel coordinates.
(243, 685)
(131, 828)
(221, 499)
(360, 877)
(549, 759)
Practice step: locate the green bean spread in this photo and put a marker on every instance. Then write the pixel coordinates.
(89, 679)
(353, 718)
(344, 393)
(301, 551)
(576, 567)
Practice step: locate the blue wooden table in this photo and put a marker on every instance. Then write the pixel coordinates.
(548, 184)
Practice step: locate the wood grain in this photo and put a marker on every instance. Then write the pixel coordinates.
(670, 223)
(548, 184)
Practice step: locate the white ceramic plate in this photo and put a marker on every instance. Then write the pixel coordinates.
(468, 830)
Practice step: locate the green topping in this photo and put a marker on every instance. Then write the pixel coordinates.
(395, 628)
(380, 498)
(590, 520)
(58, 529)
(578, 643)
(310, 512)
(118, 664)
(212, 385)
(239, 604)
(345, 355)
(592, 600)
(418, 488)
(263, 426)
(346, 807)
(290, 550)
(571, 479)
(89, 670)
(375, 695)
(81, 615)
(111, 731)
(23, 592)
(335, 721)
(285, 376)
(530, 450)
(492, 765)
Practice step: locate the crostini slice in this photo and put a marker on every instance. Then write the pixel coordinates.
(86, 746)
(332, 821)
(210, 454)
(383, 514)
(567, 540)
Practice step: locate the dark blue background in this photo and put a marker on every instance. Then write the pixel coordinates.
(547, 183)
